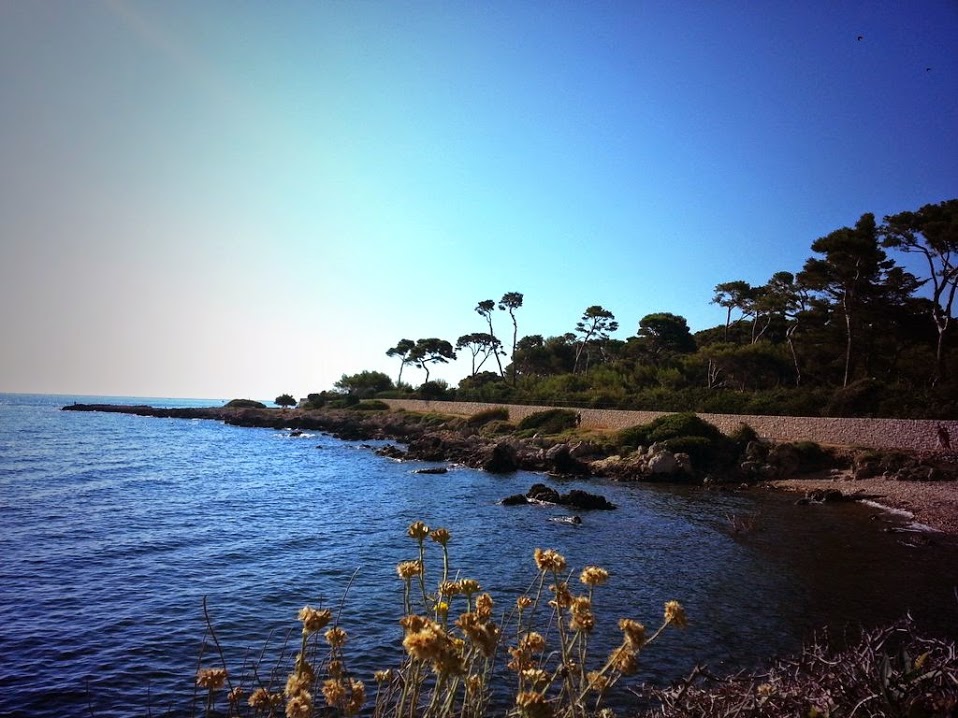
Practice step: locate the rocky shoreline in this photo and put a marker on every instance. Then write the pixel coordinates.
(921, 485)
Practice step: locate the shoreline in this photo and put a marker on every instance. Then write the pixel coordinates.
(930, 506)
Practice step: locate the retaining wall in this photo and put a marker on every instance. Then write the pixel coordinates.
(914, 434)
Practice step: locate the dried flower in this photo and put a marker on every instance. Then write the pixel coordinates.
(357, 697)
(336, 637)
(408, 569)
(450, 588)
(583, 619)
(413, 623)
(334, 692)
(563, 597)
(535, 677)
(549, 560)
(473, 685)
(314, 619)
(418, 531)
(382, 676)
(593, 576)
(297, 683)
(484, 605)
(211, 678)
(623, 660)
(259, 699)
(440, 536)
(533, 705)
(634, 633)
(236, 694)
(597, 682)
(300, 705)
(523, 602)
(675, 614)
(469, 586)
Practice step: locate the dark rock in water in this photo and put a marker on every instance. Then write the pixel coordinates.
(576, 498)
(296, 432)
(541, 492)
(432, 470)
(391, 452)
(584, 500)
(822, 496)
(501, 459)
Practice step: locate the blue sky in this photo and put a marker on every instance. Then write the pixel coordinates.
(225, 199)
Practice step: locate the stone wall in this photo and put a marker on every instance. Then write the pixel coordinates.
(915, 434)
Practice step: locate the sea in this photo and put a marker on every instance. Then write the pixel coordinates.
(128, 543)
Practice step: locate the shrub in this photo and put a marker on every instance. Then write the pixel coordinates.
(811, 456)
(743, 434)
(666, 427)
(550, 421)
(484, 417)
(372, 405)
(245, 404)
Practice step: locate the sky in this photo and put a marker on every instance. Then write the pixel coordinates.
(243, 199)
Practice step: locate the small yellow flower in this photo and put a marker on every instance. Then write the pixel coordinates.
(593, 576)
(675, 614)
(442, 609)
(408, 569)
(549, 560)
(336, 637)
(418, 531)
(313, 619)
(440, 536)
(211, 678)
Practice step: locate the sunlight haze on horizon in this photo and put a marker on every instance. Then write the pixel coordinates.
(228, 200)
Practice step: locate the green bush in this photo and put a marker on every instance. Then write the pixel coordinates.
(245, 404)
(372, 405)
(812, 457)
(743, 434)
(551, 421)
(484, 417)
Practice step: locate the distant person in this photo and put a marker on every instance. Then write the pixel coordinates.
(944, 440)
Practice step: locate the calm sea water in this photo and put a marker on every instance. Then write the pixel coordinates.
(114, 528)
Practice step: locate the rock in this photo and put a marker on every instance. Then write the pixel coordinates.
(562, 462)
(501, 459)
(514, 500)
(541, 492)
(574, 520)
(391, 452)
(786, 460)
(432, 470)
(663, 462)
(584, 500)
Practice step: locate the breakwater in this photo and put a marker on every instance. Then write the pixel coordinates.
(908, 434)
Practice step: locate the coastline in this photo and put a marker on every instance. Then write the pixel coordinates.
(929, 505)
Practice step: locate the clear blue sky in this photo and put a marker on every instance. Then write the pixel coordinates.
(222, 199)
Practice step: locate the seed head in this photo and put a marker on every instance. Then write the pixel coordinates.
(418, 531)
(675, 614)
(549, 560)
(314, 619)
(300, 705)
(469, 586)
(336, 637)
(440, 536)
(211, 678)
(533, 705)
(593, 576)
(634, 633)
(408, 569)
(523, 602)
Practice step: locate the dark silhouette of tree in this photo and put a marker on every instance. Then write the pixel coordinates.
(431, 351)
(732, 295)
(931, 232)
(478, 343)
(485, 309)
(285, 400)
(848, 277)
(364, 384)
(510, 302)
(401, 350)
(594, 328)
(665, 334)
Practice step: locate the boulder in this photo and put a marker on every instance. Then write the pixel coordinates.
(500, 458)
(432, 470)
(514, 500)
(786, 460)
(541, 492)
(663, 462)
(561, 461)
(584, 500)
(391, 452)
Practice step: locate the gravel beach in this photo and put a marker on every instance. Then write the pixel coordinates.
(932, 503)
